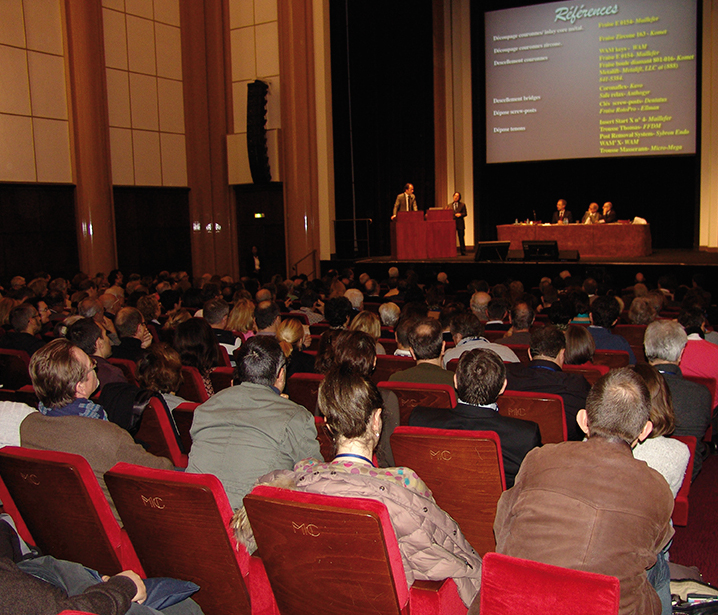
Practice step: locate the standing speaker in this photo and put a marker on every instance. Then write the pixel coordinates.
(257, 132)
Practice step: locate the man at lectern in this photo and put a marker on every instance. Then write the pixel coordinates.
(406, 201)
(608, 214)
(459, 215)
(562, 215)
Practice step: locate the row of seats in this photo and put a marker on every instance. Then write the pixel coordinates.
(176, 525)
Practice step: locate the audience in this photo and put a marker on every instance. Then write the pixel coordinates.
(26, 324)
(521, 318)
(249, 429)
(466, 331)
(427, 345)
(590, 505)
(604, 314)
(160, 370)
(369, 323)
(197, 347)
(480, 378)
(92, 339)
(292, 338)
(580, 349)
(133, 333)
(431, 543)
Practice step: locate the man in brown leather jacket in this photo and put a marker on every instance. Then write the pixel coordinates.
(590, 505)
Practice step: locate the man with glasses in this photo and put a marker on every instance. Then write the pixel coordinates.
(64, 379)
(134, 336)
(26, 323)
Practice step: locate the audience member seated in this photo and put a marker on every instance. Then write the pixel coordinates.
(160, 370)
(580, 348)
(466, 330)
(112, 304)
(338, 312)
(641, 312)
(665, 455)
(604, 314)
(151, 309)
(497, 311)
(267, 318)
(427, 347)
(133, 333)
(389, 314)
(590, 505)
(521, 318)
(249, 429)
(6, 306)
(479, 304)
(356, 298)
(401, 334)
(480, 378)
(241, 318)
(64, 378)
(216, 313)
(431, 543)
(543, 374)
(26, 324)
(369, 323)
(92, 308)
(560, 313)
(197, 347)
(699, 358)
(176, 318)
(292, 338)
(311, 306)
(353, 351)
(664, 343)
(92, 339)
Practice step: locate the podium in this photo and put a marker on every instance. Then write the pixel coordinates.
(408, 236)
(440, 233)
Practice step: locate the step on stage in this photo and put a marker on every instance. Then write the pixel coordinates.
(462, 269)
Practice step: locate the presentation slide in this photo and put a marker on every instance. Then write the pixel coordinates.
(591, 80)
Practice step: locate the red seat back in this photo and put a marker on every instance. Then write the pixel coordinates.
(680, 507)
(386, 365)
(179, 524)
(129, 369)
(412, 394)
(157, 434)
(521, 351)
(545, 409)
(634, 335)
(192, 388)
(522, 587)
(58, 498)
(221, 378)
(183, 416)
(463, 469)
(309, 543)
(611, 358)
(223, 357)
(14, 369)
(303, 389)
(592, 374)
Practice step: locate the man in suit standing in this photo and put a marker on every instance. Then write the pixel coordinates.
(459, 215)
(479, 380)
(406, 201)
(562, 215)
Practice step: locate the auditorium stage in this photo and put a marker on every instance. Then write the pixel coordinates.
(462, 269)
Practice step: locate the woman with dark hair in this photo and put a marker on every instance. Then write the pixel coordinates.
(355, 352)
(431, 543)
(197, 347)
(665, 455)
(160, 370)
(580, 348)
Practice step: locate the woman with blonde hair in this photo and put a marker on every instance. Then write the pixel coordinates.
(369, 323)
(291, 337)
(241, 319)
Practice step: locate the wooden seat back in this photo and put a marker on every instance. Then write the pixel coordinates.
(129, 369)
(611, 358)
(14, 369)
(412, 394)
(386, 365)
(60, 502)
(545, 409)
(183, 416)
(463, 469)
(179, 524)
(221, 378)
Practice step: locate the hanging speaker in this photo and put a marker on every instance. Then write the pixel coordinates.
(257, 132)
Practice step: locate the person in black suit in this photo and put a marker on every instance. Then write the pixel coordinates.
(608, 214)
(543, 374)
(459, 215)
(479, 380)
(562, 215)
(406, 201)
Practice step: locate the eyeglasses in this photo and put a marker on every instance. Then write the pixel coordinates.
(92, 368)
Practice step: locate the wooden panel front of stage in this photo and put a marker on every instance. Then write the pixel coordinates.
(618, 240)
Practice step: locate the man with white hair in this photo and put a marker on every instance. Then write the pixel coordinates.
(389, 314)
(664, 342)
(356, 298)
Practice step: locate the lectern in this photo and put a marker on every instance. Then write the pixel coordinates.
(440, 233)
(408, 236)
